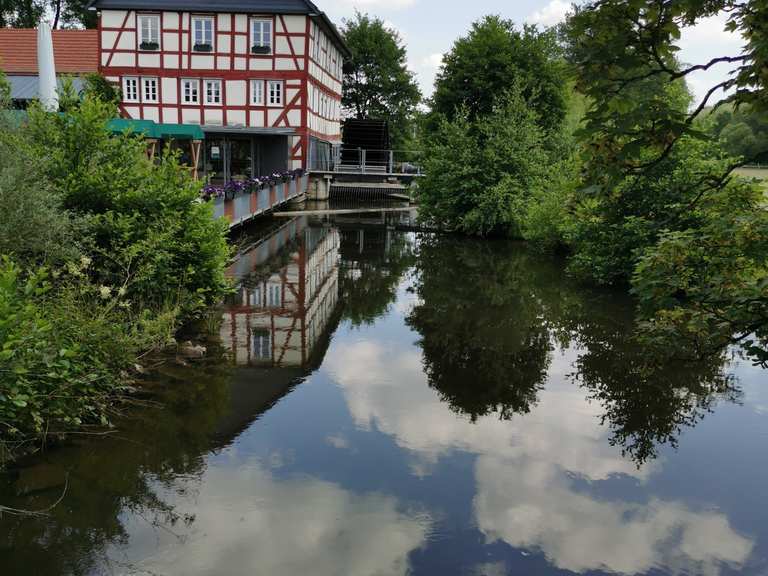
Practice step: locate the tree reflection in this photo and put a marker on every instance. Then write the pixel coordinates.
(486, 348)
(373, 262)
(648, 396)
(106, 478)
(489, 315)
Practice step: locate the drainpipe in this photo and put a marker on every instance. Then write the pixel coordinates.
(46, 69)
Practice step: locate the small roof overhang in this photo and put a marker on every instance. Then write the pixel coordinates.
(150, 129)
(216, 129)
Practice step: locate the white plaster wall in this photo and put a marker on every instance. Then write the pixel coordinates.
(237, 92)
(108, 39)
(240, 63)
(202, 62)
(127, 41)
(296, 24)
(294, 118)
(169, 87)
(133, 111)
(214, 116)
(170, 19)
(256, 119)
(223, 41)
(223, 62)
(190, 116)
(171, 41)
(236, 117)
(273, 114)
(241, 45)
(224, 22)
(171, 115)
(171, 61)
(113, 18)
(148, 60)
(152, 113)
(241, 23)
(261, 63)
(127, 60)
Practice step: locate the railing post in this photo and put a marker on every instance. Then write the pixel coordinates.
(363, 155)
(391, 162)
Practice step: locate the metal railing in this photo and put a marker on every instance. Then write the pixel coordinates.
(366, 161)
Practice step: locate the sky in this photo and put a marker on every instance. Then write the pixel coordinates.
(429, 28)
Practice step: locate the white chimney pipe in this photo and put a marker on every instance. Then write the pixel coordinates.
(46, 68)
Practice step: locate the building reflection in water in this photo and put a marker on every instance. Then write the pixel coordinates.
(287, 293)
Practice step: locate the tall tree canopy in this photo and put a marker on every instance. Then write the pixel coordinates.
(696, 237)
(64, 13)
(377, 82)
(617, 45)
(495, 56)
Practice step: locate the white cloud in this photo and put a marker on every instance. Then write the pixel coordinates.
(525, 468)
(553, 13)
(248, 522)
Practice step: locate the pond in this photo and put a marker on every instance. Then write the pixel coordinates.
(378, 401)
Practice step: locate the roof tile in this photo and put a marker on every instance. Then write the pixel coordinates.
(75, 51)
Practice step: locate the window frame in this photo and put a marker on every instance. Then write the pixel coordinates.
(137, 89)
(140, 33)
(184, 82)
(262, 100)
(144, 81)
(252, 35)
(268, 93)
(208, 81)
(199, 18)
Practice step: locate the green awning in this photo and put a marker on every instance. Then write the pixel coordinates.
(151, 129)
(179, 131)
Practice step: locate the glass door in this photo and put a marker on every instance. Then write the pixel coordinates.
(215, 161)
(240, 159)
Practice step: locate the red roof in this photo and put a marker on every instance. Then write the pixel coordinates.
(75, 51)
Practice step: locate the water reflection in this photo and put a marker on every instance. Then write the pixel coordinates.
(287, 291)
(403, 403)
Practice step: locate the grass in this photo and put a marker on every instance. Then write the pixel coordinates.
(756, 173)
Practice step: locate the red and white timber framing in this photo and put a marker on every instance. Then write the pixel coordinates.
(304, 60)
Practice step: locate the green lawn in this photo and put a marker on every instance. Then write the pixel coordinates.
(759, 173)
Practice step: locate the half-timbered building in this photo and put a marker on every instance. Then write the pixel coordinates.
(261, 77)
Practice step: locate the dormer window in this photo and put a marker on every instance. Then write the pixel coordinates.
(149, 32)
(261, 36)
(202, 34)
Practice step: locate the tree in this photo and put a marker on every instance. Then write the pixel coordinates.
(698, 257)
(65, 13)
(377, 82)
(493, 57)
(480, 175)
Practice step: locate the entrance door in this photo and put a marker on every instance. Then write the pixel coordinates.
(215, 160)
(240, 159)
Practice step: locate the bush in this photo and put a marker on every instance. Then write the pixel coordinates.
(150, 230)
(34, 228)
(64, 344)
(480, 175)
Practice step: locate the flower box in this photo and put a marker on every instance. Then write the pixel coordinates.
(259, 49)
(202, 48)
(153, 46)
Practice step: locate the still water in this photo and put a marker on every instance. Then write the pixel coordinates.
(383, 402)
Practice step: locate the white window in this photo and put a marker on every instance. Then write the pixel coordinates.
(149, 91)
(149, 32)
(190, 90)
(257, 92)
(262, 345)
(275, 92)
(213, 91)
(130, 89)
(261, 36)
(274, 296)
(202, 33)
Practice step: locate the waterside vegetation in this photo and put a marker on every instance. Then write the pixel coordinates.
(630, 177)
(105, 254)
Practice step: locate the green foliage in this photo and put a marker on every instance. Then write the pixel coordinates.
(100, 88)
(377, 82)
(65, 13)
(742, 132)
(150, 231)
(34, 228)
(130, 253)
(5, 92)
(492, 58)
(63, 345)
(480, 175)
(709, 286)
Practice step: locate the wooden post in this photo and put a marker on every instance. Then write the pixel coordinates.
(195, 157)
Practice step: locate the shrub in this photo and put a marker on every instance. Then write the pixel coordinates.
(149, 227)
(481, 174)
